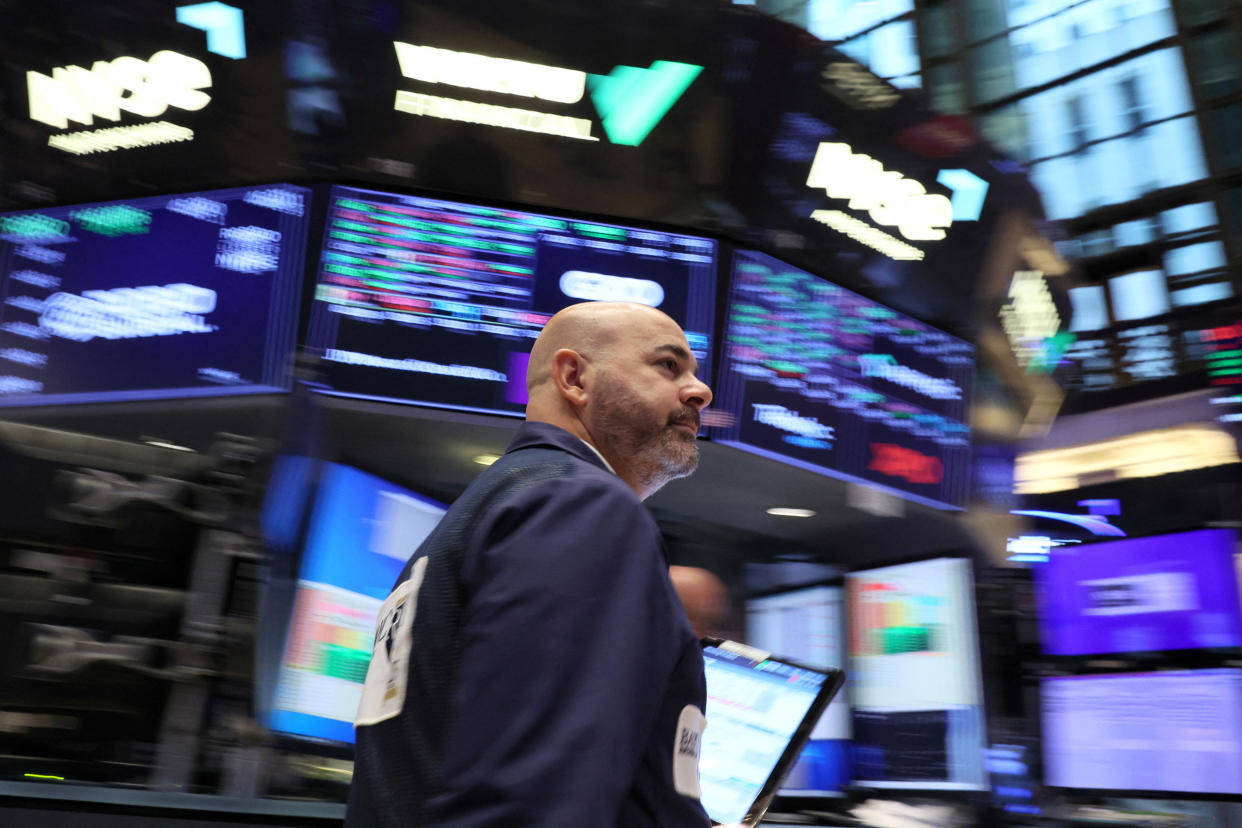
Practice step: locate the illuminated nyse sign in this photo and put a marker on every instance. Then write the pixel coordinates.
(145, 88)
(888, 197)
(630, 100)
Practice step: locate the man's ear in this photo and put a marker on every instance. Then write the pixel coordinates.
(568, 372)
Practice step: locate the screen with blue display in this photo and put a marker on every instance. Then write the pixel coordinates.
(818, 376)
(438, 303)
(362, 532)
(171, 296)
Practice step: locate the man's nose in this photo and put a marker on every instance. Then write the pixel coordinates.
(697, 394)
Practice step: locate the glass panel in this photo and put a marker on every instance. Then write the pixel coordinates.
(1194, 258)
(1112, 101)
(1214, 58)
(1090, 313)
(945, 88)
(840, 19)
(1189, 217)
(1139, 231)
(939, 30)
(1085, 35)
(889, 51)
(985, 18)
(1200, 294)
(1201, 11)
(1225, 124)
(1139, 295)
(1163, 155)
(993, 67)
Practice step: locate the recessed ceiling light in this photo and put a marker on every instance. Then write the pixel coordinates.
(485, 459)
(781, 511)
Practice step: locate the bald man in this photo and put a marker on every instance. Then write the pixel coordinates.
(533, 665)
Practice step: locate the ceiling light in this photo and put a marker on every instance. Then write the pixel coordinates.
(154, 441)
(781, 511)
(485, 459)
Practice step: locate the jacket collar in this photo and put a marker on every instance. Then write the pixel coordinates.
(546, 435)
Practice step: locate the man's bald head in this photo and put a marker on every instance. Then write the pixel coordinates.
(589, 328)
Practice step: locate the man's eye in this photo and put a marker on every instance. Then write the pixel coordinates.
(670, 364)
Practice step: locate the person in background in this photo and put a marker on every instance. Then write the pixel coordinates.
(533, 665)
(704, 597)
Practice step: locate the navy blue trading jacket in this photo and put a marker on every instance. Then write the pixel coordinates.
(533, 666)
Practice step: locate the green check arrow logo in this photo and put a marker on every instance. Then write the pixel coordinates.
(632, 100)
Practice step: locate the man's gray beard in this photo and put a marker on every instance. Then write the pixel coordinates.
(657, 453)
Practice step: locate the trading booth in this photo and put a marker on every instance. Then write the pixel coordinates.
(270, 274)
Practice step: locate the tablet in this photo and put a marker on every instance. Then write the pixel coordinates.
(760, 712)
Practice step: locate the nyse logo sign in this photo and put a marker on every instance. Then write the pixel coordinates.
(890, 198)
(144, 88)
(127, 84)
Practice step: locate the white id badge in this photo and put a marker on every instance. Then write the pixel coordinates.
(686, 747)
(383, 694)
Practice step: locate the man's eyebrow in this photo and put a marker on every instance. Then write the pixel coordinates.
(679, 352)
(676, 350)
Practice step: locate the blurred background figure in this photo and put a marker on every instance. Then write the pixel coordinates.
(704, 597)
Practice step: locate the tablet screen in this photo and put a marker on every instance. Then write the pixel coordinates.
(756, 707)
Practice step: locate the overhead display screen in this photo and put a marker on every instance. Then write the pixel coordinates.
(171, 296)
(363, 531)
(1168, 592)
(1177, 731)
(914, 669)
(434, 302)
(823, 378)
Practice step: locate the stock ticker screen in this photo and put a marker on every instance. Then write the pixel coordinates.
(171, 296)
(828, 380)
(434, 302)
